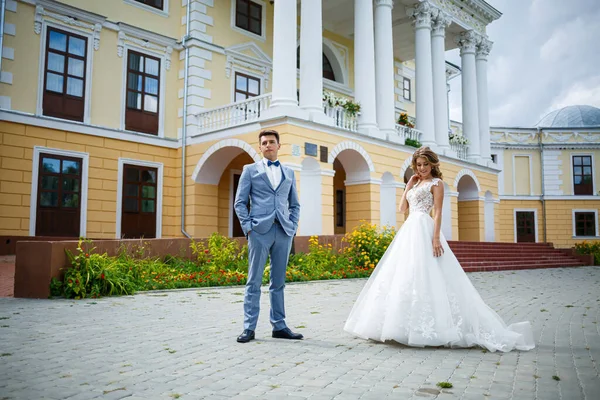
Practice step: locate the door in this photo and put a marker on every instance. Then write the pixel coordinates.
(236, 226)
(525, 221)
(138, 215)
(59, 196)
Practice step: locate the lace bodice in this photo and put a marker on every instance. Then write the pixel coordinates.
(420, 197)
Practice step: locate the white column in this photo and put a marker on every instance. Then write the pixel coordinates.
(470, 117)
(424, 72)
(440, 94)
(483, 50)
(311, 57)
(364, 66)
(284, 54)
(384, 64)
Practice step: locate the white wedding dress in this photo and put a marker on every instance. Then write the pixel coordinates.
(419, 300)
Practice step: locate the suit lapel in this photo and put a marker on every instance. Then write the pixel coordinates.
(260, 167)
(283, 177)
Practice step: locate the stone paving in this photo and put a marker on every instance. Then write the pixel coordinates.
(181, 344)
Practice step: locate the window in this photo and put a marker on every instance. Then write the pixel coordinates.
(246, 87)
(59, 196)
(525, 226)
(406, 88)
(152, 3)
(495, 158)
(248, 16)
(64, 75)
(138, 218)
(582, 175)
(585, 224)
(143, 77)
(339, 208)
(327, 68)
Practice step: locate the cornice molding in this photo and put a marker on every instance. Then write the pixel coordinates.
(160, 44)
(70, 16)
(260, 63)
(471, 14)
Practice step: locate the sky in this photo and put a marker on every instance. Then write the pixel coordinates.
(546, 55)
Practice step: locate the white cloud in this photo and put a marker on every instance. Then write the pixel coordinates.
(545, 56)
(582, 93)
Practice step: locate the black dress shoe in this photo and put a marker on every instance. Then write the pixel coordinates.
(246, 336)
(286, 333)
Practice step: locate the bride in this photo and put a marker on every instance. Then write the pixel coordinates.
(418, 294)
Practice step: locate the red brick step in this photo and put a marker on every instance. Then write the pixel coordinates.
(489, 256)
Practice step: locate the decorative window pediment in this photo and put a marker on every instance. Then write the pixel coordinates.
(84, 21)
(158, 44)
(250, 57)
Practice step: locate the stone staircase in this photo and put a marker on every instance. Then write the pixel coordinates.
(488, 256)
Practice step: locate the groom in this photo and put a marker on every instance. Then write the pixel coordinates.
(270, 226)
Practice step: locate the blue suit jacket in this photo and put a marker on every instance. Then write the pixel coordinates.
(267, 203)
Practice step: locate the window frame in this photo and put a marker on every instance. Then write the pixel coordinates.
(263, 21)
(404, 88)
(248, 78)
(89, 60)
(514, 172)
(593, 167)
(159, 192)
(235, 71)
(127, 47)
(574, 222)
(164, 11)
(535, 219)
(83, 185)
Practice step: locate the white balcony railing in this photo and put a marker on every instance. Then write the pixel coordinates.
(406, 132)
(341, 118)
(233, 114)
(460, 149)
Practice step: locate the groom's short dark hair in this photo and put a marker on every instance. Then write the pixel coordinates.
(268, 132)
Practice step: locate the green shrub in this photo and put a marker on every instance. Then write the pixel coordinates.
(218, 261)
(412, 143)
(586, 247)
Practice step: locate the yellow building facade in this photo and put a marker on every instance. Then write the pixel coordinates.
(134, 118)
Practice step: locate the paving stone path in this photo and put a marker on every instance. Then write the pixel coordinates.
(181, 344)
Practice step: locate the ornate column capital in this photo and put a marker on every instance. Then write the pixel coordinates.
(467, 42)
(440, 21)
(421, 15)
(384, 3)
(483, 48)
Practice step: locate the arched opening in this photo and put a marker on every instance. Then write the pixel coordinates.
(387, 200)
(311, 217)
(339, 198)
(350, 186)
(210, 199)
(488, 211)
(468, 210)
(328, 72)
(229, 224)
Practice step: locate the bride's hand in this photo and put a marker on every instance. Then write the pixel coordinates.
(412, 181)
(438, 250)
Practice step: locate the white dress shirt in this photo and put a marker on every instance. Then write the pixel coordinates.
(273, 172)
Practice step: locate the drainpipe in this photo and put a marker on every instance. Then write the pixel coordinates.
(2, 12)
(185, 106)
(539, 133)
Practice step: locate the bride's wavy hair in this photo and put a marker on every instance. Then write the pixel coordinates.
(431, 156)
